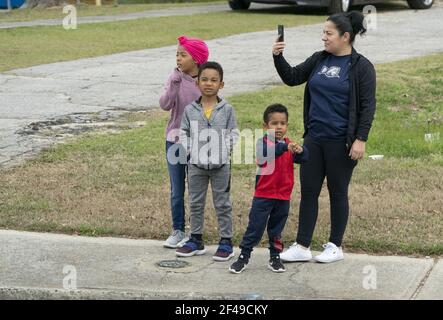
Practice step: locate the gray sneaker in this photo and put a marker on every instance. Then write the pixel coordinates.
(174, 239)
(182, 243)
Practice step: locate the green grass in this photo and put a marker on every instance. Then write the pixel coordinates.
(24, 47)
(30, 46)
(415, 96)
(116, 184)
(86, 10)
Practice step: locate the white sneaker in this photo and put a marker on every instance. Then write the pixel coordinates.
(331, 253)
(296, 253)
(174, 239)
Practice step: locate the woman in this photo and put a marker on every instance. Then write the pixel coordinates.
(339, 106)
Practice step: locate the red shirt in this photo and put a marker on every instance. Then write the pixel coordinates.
(275, 178)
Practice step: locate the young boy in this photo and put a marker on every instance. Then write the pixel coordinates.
(208, 133)
(276, 156)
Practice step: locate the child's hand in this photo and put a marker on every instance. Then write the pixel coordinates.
(294, 147)
(177, 75)
(298, 149)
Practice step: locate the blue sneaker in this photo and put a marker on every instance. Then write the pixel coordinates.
(191, 248)
(224, 251)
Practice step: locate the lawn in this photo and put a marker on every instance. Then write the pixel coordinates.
(24, 47)
(86, 10)
(117, 185)
(30, 46)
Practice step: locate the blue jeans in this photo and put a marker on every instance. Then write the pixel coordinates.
(177, 175)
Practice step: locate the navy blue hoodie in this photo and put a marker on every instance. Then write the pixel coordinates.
(362, 85)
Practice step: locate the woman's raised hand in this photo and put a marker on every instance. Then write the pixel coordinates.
(278, 47)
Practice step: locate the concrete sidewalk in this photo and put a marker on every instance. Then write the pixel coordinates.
(35, 266)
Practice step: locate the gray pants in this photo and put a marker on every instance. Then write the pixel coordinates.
(198, 186)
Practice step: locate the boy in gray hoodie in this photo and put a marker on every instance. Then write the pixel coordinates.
(208, 132)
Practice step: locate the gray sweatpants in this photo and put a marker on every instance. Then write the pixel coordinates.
(198, 180)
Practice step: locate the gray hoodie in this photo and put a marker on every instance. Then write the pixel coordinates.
(209, 142)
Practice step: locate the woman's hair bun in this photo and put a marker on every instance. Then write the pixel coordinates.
(357, 22)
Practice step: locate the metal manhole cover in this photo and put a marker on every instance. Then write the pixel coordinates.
(172, 264)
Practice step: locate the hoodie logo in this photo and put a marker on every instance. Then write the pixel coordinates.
(332, 72)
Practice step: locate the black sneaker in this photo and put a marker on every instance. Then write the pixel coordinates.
(239, 265)
(275, 264)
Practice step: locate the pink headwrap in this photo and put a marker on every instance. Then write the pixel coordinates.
(196, 48)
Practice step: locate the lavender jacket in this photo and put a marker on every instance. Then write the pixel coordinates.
(180, 90)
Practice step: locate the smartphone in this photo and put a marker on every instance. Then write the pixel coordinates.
(281, 33)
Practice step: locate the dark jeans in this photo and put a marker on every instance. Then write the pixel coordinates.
(265, 213)
(177, 176)
(328, 159)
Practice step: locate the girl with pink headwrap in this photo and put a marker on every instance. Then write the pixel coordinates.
(181, 89)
